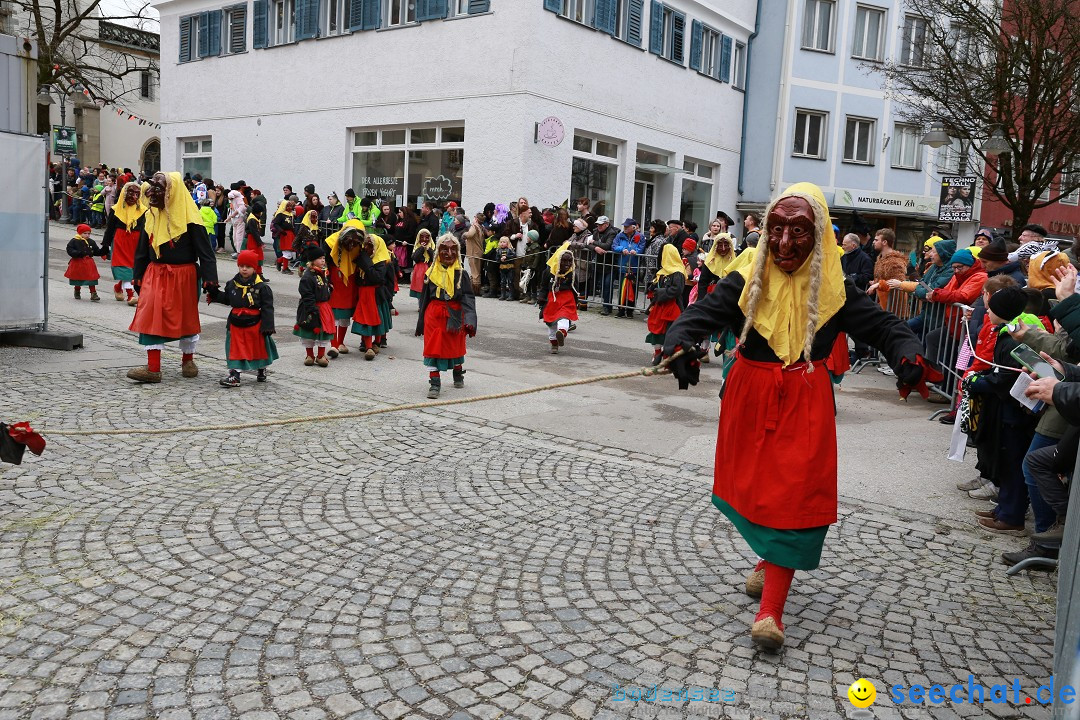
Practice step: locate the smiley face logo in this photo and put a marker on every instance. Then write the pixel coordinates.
(862, 693)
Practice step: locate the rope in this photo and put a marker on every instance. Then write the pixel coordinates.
(650, 371)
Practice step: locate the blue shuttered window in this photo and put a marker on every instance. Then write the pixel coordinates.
(355, 14)
(479, 6)
(259, 23)
(215, 33)
(725, 59)
(187, 27)
(204, 34)
(678, 31)
(307, 19)
(604, 15)
(371, 15)
(697, 32)
(430, 10)
(554, 6)
(656, 28)
(635, 18)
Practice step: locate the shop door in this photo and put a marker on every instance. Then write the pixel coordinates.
(643, 201)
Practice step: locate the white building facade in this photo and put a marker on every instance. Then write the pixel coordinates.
(635, 104)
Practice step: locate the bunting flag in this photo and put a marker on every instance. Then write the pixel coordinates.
(120, 111)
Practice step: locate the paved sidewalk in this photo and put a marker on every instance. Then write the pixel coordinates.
(440, 565)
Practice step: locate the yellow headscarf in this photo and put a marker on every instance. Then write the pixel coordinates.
(782, 311)
(381, 253)
(281, 209)
(555, 260)
(346, 262)
(718, 264)
(312, 225)
(130, 214)
(443, 277)
(670, 263)
(171, 222)
(1041, 269)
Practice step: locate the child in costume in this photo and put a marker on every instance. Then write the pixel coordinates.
(447, 315)
(121, 236)
(372, 319)
(342, 249)
(666, 291)
(505, 256)
(307, 246)
(282, 229)
(81, 269)
(253, 239)
(557, 297)
(248, 341)
(422, 257)
(315, 322)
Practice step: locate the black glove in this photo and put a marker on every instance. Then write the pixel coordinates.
(687, 367)
(908, 374)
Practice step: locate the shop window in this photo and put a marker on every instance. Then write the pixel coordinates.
(818, 19)
(697, 193)
(195, 155)
(859, 141)
(810, 134)
(407, 165)
(869, 42)
(594, 172)
(905, 147)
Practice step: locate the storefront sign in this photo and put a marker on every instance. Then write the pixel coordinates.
(1065, 228)
(871, 200)
(384, 188)
(957, 198)
(64, 142)
(550, 132)
(438, 188)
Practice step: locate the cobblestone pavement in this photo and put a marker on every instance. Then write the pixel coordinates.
(432, 565)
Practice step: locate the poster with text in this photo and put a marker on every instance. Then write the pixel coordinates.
(64, 142)
(957, 198)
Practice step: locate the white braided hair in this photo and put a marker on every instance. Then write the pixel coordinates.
(757, 274)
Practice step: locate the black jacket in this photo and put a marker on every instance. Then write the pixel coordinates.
(431, 223)
(258, 296)
(669, 287)
(314, 288)
(457, 319)
(604, 240)
(381, 275)
(191, 247)
(857, 268)
(860, 317)
(549, 285)
(79, 248)
(331, 213)
(258, 209)
(424, 254)
(111, 226)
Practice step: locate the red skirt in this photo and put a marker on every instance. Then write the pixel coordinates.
(84, 269)
(123, 247)
(776, 445)
(439, 342)
(416, 282)
(562, 307)
(662, 315)
(254, 244)
(168, 302)
(367, 309)
(839, 361)
(247, 343)
(342, 296)
(326, 318)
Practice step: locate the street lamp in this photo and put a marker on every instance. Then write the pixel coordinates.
(937, 137)
(45, 98)
(997, 144)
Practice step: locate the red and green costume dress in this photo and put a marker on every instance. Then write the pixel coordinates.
(248, 331)
(443, 321)
(314, 314)
(82, 270)
(375, 282)
(119, 244)
(667, 305)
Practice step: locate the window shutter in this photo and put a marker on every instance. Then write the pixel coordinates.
(430, 10)
(307, 19)
(356, 14)
(554, 6)
(238, 29)
(259, 29)
(185, 39)
(204, 34)
(479, 6)
(697, 32)
(215, 33)
(678, 32)
(656, 28)
(371, 13)
(604, 16)
(725, 59)
(635, 17)
(421, 9)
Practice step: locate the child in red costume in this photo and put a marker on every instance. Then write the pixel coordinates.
(557, 297)
(248, 341)
(315, 321)
(777, 422)
(81, 269)
(447, 315)
(342, 249)
(666, 291)
(122, 231)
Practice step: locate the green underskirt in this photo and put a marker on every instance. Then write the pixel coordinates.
(798, 549)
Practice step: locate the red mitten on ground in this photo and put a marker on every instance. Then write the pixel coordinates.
(914, 376)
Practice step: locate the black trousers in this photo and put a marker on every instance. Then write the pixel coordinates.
(1040, 464)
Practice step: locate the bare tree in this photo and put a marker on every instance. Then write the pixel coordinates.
(978, 65)
(95, 49)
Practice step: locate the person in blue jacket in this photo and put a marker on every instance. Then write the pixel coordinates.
(628, 245)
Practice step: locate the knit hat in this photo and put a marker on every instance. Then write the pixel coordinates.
(964, 257)
(533, 235)
(1008, 302)
(945, 249)
(995, 251)
(689, 245)
(82, 229)
(249, 258)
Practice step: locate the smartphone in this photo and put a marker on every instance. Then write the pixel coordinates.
(1034, 362)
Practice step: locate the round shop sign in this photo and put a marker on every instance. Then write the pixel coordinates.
(550, 131)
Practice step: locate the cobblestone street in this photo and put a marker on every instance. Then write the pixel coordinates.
(427, 564)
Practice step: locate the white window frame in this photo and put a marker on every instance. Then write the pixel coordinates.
(812, 11)
(405, 15)
(592, 156)
(193, 36)
(205, 149)
(908, 44)
(1072, 198)
(823, 134)
(710, 51)
(860, 125)
(227, 19)
(949, 157)
(862, 34)
(622, 19)
(407, 147)
(903, 136)
(341, 8)
(572, 9)
(282, 22)
(738, 66)
(457, 8)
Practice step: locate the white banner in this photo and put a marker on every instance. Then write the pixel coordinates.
(23, 244)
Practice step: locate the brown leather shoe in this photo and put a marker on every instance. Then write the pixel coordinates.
(322, 361)
(755, 583)
(996, 526)
(987, 514)
(134, 301)
(342, 349)
(119, 295)
(143, 375)
(767, 633)
(189, 369)
(309, 361)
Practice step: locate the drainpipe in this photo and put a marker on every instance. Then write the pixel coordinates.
(746, 94)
